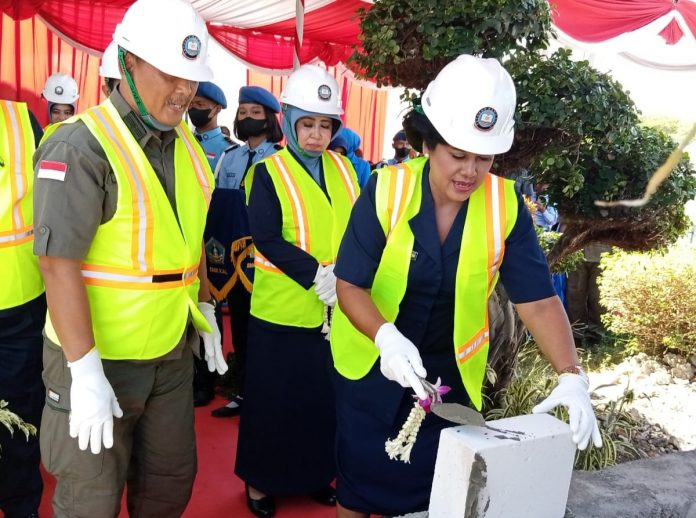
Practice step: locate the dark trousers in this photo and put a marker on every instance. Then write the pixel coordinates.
(154, 449)
(583, 302)
(239, 304)
(21, 387)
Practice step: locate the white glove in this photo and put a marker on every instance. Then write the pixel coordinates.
(325, 284)
(572, 393)
(212, 342)
(399, 359)
(93, 404)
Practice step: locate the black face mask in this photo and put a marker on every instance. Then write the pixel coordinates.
(401, 152)
(199, 118)
(248, 127)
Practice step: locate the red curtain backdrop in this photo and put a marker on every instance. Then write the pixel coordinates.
(30, 52)
(365, 107)
(330, 31)
(600, 20)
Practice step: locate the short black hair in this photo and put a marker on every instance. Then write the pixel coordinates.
(419, 129)
(273, 132)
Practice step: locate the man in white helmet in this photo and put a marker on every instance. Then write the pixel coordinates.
(121, 198)
(61, 93)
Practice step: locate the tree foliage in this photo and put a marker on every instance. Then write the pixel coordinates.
(407, 42)
(577, 129)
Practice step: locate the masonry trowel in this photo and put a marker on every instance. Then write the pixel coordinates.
(460, 414)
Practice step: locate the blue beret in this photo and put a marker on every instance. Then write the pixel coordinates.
(258, 95)
(213, 92)
(400, 135)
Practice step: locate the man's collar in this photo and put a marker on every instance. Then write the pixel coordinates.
(135, 123)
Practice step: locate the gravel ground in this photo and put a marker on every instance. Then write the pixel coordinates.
(664, 404)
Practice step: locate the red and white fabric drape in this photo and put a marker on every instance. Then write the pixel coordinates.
(602, 20)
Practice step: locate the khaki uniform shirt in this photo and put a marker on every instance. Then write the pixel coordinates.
(67, 213)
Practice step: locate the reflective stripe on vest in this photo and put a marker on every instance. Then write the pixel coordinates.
(310, 222)
(141, 271)
(19, 267)
(398, 199)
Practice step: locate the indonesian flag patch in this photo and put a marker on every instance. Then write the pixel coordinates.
(52, 170)
(210, 154)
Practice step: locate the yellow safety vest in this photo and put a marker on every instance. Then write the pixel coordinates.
(310, 222)
(19, 267)
(491, 215)
(141, 271)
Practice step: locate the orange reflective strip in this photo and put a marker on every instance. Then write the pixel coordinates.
(16, 165)
(264, 264)
(502, 215)
(299, 210)
(144, 286)
(142, 222)
(466, 351)
(198, 166)
(345, 176)
(490, 239)
(135, 273)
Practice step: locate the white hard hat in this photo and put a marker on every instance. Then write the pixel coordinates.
(313, 89)
(109, 62)
(60, 89)
(170, 35)
(471, 103)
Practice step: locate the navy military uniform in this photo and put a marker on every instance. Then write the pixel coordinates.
(373, 409)
(229, 248)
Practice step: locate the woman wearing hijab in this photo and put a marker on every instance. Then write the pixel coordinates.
(299, 203)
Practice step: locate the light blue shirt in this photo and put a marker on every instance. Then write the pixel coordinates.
(233, 165)
(213, 143)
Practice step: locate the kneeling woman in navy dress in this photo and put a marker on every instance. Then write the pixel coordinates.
(427, 241)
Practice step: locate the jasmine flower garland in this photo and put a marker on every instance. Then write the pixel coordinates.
(400, 447)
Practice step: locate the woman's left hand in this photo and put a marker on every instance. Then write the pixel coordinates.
(572, 393)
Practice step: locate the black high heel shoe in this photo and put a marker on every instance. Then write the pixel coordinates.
(325, 496)
(263, 507)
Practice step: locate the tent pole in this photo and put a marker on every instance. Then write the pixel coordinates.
(299, 29)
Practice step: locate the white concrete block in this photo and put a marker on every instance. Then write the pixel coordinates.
(518, 467)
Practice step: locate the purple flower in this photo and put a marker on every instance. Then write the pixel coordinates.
(435, 392)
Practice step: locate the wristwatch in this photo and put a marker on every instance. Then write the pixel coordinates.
(212, 301)
(575, 369)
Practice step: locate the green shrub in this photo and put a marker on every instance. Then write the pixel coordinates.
(651, 297)
(10, 420)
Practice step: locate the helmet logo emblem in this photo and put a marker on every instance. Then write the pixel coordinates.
(486, 119)
(58, 90)
(191, 47)
(324, 92)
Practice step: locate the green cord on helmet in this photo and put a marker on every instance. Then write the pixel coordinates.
(148, 119)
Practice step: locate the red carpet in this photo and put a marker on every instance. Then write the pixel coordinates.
(217, 491)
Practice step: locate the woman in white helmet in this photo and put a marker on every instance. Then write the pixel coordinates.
(413, 305)
(61, 93)
(299, 203)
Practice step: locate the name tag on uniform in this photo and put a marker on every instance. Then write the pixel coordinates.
(52, 170)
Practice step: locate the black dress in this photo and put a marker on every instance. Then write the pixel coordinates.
(373, 409)
(287, 427)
